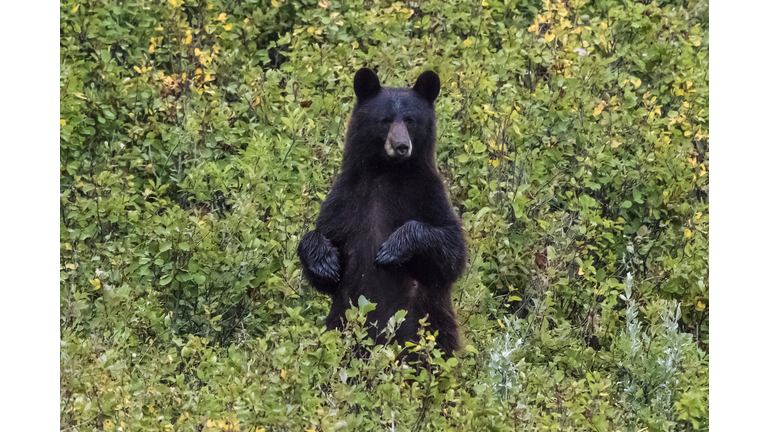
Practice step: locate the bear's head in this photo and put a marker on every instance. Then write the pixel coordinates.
(392, 126)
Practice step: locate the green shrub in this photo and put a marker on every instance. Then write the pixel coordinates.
(199, 137)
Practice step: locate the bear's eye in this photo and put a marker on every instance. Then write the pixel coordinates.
(386, 120)
(409, 121)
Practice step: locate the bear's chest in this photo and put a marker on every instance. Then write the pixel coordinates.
(377, 210)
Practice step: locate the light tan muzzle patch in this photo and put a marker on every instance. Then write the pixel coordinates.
(398, 144)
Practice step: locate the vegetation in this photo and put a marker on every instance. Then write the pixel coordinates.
(198, 138)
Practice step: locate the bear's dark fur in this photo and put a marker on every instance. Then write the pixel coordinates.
(387, 230)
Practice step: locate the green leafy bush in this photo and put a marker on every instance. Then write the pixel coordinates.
(198, 139)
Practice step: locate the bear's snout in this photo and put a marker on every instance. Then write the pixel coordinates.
(398, 144)
(402, 149)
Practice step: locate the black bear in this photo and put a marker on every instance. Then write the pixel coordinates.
(387, 230)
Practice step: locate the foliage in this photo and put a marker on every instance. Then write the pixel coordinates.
(198, 138)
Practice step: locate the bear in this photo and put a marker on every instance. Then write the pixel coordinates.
(387, 230)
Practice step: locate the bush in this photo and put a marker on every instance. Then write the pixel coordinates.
(198, 139)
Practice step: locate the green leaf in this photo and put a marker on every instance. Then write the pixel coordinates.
(600, 275)
(364, 305)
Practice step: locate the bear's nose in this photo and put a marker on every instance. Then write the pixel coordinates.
(401, 149)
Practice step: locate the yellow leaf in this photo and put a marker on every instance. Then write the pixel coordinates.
(311, 30)
(355, 44)
(484, 3)
(679, 92)
(62, 122)
(245, 21)
(701, 306)
(687, 232)
(138, 69)
(170, 358)
(549, 37)
(70, 266)
(222, 17)
(696, 43)
(581, 271)
(431, 337)
(500, 323)
(282, 373)
(159, 28)
(615, 144)
(323, 4)
(275, 3)
(228, 27)
(467, 42)
(96, 283)
(339, 23)
(598, 109)
(534, 27)
(698, 215)
(688, 84)
(494, 162)
(77, 6)
(636, 82)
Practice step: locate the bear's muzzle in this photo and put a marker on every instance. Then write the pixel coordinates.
(398, 144)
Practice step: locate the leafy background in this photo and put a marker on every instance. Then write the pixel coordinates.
(198, 139)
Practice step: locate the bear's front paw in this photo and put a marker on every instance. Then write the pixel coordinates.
(387, 257)
(326, 267)
(320, 260)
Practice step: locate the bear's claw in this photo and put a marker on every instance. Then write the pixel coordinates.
(387, 258)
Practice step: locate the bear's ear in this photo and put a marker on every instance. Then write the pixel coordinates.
(428, 86)
(366, 84)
